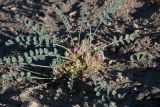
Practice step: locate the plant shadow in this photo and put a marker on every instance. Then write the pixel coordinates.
(146, 11)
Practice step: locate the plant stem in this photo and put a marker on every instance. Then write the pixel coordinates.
(113, 43)
(67, 58)
(96, 29)
(64, 48)
(90, 36)
(33, 72)
(41, 78)
(79, 37)
(35, 65)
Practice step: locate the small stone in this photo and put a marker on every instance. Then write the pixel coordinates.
(114, 92)
(109, 23)
(140, 96)
(86, 104)
(112, 61)
(135, 89)
(13, 8)
(33, 104)
(72, 14)
(117, 80)
(76, 105)
(41, 96)
(136, 25)
(155, 90)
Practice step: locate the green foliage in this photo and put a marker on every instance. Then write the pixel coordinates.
(100, 88)
(59, 92)
(141, 57)
(71, 81)
(36, 27)
(15, 75)
(10, 76)
(104, 91)
(84, 15)
(35, 47)
(9, 42)
(127, 38)
(28, 57)
(64, 19)
(23, 40)
(106, 11)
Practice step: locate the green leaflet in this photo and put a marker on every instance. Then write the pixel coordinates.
(84, 15)
(15, 75)
(64, 19)
(37, 28)
(33, 40)
(106, 11)
(9, 42)
(128, 38)
(141, 57)
(28, 57)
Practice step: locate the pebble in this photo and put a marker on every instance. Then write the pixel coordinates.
(13, 8)
(33, 104)
(155, 90)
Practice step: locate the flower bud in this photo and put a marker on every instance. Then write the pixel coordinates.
(78, 50)
(100, 56)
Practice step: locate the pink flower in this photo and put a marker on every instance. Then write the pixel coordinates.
(100, 56)
(78, 50)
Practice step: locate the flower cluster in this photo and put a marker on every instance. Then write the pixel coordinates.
(99, 55)
(78, 51)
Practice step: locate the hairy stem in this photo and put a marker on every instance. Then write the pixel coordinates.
(79, 37)
(97, 28)
(63, 48)
(32, 72)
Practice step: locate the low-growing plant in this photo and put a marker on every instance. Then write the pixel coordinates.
(84, 57)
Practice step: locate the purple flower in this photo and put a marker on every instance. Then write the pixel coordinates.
(78, 50)
(100, 56)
